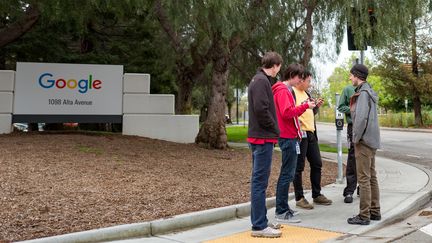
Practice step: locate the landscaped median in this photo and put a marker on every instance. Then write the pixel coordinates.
(54, 184)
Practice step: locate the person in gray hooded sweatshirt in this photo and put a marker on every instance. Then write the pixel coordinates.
(366, 139)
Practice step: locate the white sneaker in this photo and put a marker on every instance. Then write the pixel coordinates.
(287, 217)
(293, 212)
(267, 232)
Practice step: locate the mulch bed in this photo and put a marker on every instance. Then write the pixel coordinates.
(52, 184)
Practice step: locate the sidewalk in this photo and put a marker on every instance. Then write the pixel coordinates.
(404, 189)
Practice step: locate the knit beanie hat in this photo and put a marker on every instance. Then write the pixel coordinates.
(360, 71)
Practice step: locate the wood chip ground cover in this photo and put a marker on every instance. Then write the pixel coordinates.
(53, 184)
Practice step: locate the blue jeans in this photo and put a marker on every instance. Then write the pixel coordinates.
(261, 165)
(287, 172)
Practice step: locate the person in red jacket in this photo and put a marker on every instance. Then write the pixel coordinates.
(290, 135)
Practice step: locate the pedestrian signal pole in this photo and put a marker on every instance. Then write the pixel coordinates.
(339, 127)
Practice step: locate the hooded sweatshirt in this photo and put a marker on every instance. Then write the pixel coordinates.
(286, 111)
(262, 117)
(363, 106)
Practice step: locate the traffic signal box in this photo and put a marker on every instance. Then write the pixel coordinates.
(368, 39)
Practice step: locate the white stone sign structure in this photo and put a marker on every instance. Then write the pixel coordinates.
(152, 115)
(41, 92)
(58, 92)
(7, 78)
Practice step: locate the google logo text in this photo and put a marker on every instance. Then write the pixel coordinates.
(83, 85)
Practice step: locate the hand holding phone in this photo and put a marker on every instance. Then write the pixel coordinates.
(311, 103)
(319, 102)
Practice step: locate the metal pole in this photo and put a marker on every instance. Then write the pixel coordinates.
(339, 179)
(244, 118)
(361, 57)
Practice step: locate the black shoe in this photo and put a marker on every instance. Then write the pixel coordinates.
(376, 217)
(358, 220)
(348, 199)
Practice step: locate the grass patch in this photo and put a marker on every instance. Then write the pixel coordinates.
(331, 149)
(238, 134)
(87, 149)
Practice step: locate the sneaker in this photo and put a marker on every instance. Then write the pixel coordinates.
(376, 217)
(287, 217)
(348, 198)
(293, 212)
(358, 220)
(303, 203)
(322, 200)
(267, 233)
(275, 225)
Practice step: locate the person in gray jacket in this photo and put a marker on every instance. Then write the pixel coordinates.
(366, 139)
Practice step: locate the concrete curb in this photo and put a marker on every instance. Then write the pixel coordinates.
(160, 226)
(104, 234)
(410, 205)
(399, 213)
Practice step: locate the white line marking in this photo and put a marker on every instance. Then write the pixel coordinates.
(427, 229)
(415, 156)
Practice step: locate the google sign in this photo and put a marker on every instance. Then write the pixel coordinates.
(83, 85)
(56, 90)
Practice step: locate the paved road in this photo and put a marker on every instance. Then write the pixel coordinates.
(409, 146)
(415, 147)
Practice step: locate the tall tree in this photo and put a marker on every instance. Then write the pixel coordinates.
(403, 61)
(182, 22)
(235, 23)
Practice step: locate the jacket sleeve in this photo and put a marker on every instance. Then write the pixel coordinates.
(261, 106)
(286, 107)
(344, 102)
(362, 116)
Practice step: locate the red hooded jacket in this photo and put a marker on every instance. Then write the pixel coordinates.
(286, 111)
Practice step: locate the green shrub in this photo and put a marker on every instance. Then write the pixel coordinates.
(239, 134)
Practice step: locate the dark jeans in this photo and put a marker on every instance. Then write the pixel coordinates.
(286, 176)
(351, 172)
(308, 149)
(261, 165)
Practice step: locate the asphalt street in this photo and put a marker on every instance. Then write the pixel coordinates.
(414, 147)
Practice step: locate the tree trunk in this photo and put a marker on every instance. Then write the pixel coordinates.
(17, 29)
(416, 99)
(2, 59)
(203, 113)
(307, 43)
(184, 95)
(417, 111)
(212, 133)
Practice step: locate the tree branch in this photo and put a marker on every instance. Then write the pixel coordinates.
(237, 38)
(167, 27)
(17, 29)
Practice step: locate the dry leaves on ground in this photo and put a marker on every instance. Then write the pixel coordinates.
(53, 184)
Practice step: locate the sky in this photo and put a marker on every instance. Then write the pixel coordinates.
(325, 68)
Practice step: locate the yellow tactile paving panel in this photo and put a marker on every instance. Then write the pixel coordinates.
(289, 234)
